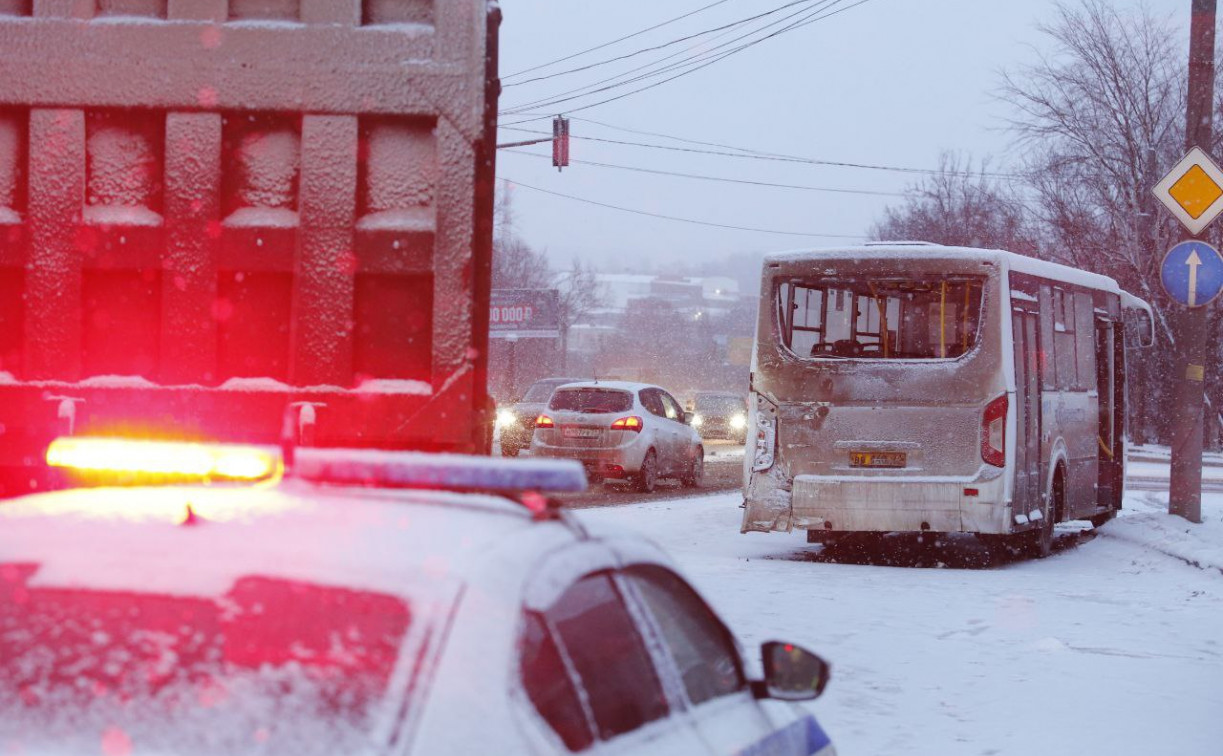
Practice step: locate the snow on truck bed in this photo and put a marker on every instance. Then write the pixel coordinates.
(1114, 645)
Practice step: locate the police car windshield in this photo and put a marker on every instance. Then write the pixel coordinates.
(272, 666)
(591, 400)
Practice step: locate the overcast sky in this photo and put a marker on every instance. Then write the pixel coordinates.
(888, 82)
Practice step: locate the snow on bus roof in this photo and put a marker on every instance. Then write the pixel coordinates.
(920, 250)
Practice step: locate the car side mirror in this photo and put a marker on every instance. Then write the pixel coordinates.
(688, 417)
(791, 673)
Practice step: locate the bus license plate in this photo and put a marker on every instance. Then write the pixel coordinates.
(877, 459)
(582, 433)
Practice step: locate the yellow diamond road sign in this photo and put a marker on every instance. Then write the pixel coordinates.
(1193, 190)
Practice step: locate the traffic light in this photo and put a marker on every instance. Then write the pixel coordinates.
(560, 142)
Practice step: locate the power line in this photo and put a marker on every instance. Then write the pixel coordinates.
(667, 136)
(694, 63)
(770, 156)
(681, 220)
(662, 46)
(724, 179)
(620, 80)
(615, 41)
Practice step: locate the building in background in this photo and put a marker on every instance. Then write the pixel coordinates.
(683, 332)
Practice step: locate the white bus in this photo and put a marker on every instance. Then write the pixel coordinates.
(914, 387)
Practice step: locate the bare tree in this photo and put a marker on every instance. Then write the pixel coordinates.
(1100, 119)
(580, 294)
(516, 265)
(960, 206)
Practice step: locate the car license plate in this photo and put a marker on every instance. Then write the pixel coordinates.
(582, 432)
(877, 459)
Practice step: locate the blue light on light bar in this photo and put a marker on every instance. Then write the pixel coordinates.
(440, 471)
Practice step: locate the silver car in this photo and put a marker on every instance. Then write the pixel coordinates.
(621, 430)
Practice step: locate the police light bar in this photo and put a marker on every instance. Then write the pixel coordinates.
(137, 460)
(454, 472)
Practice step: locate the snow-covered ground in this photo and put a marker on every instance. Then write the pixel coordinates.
(1114, 645)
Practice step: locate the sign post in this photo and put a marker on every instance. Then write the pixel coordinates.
(1193, 191)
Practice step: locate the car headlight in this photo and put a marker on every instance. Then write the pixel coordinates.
(506, 418)
(739, 421)
(697, 420)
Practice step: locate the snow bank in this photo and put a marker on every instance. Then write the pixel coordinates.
(1146, 522)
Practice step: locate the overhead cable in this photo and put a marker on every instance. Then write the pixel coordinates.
(655, 48)
(692, 64)
(770, 156)
(724, 179)
(679, 219)
(615, 41)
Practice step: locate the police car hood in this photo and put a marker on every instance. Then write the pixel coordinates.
(198, 542)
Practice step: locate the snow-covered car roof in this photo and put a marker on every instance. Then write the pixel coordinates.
(398, 542)
(619, 385)
(923, 250)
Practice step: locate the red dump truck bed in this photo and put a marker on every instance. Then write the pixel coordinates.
(214, 213)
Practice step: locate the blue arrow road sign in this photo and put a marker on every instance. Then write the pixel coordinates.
(1192, 273)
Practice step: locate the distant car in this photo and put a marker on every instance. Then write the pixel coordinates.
(331, 613)
(624, 430)
(720, 415)
(516, 422)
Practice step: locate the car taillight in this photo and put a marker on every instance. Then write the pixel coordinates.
(632, 423)
(543, 421)
(993, 432)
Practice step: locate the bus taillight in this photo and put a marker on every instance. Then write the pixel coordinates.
(993, 432)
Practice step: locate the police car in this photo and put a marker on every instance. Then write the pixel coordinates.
(362, 602)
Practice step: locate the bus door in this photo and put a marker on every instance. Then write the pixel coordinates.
(1026, 461)
(1110, 468)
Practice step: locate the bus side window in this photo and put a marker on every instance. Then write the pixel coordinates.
(1048, 371)
(1065, 360)
(1085, 341)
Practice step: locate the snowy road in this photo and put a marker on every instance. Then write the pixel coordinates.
(1114, 645)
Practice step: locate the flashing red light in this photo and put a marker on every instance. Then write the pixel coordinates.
(543, 421)
(175, 459)
(971, 492)
(993, 432)
(631, 423)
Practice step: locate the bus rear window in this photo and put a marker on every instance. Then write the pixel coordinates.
(932, 317)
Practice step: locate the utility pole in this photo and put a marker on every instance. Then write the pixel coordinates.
(1189, 324)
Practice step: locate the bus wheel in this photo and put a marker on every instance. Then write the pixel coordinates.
(1040, 544)
(1098, 520)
